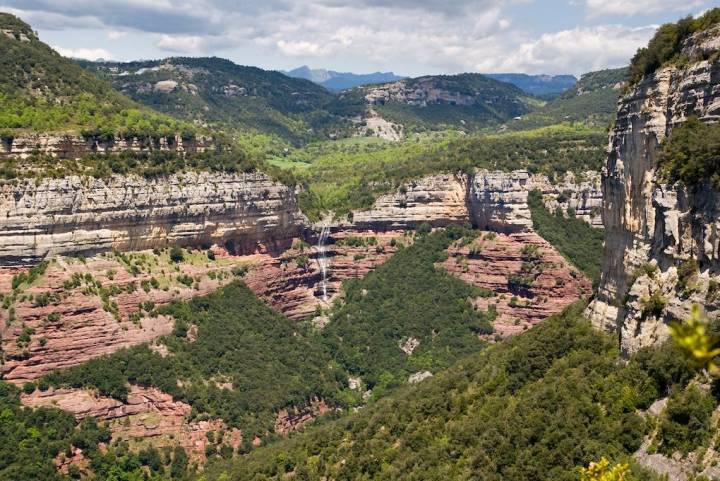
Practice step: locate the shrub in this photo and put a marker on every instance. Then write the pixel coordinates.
(691, 154)
(687, 277)
(302, 261)
(653, 306)
(176, 254)
(686, 422)
(666, 44)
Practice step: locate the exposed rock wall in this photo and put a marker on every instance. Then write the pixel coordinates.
(71, 146)
(491, 261)
(651, 224)
(149, 415)
(490, 200)
(437, 199)
(243, 212)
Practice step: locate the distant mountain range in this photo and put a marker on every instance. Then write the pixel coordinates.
(539, 85)
(337, 81)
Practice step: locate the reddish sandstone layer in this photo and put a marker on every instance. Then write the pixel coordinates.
(74, 327)
(296, 291)
(289, 420)
(557, 283)
(149, 415)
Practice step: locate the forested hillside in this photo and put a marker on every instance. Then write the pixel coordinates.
(536, 407)
(592, 101)
(41, 91)
(465, 102)
(230, 97)
(272, 363)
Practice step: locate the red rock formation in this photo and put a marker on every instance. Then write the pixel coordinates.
(556, 282)
(149, 414)
(289, 420)
(74, 326)
(295, 291)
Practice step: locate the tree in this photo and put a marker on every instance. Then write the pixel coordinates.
(176, 254)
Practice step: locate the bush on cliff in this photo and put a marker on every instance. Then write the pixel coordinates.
(691, 154)
(665, 46)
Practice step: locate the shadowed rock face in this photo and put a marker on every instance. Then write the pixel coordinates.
(648, 222)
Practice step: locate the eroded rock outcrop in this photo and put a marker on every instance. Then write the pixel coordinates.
(77, 215)
(148, 414)
(655, 232)
(78, 310)
(72, 146)
(529, 280)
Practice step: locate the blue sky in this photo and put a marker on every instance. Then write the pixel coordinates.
(410, 37)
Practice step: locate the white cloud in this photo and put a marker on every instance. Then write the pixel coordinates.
(181, 43)
(577, 50)
(84, 53)
(116, 34)
(301, 49)
(639, 7)
(409, 36)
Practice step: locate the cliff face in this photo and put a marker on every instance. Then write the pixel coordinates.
(489, 200)
(67, 146)
(243, 212)
(653, 229)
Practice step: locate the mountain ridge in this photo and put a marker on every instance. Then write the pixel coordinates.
(336, 81)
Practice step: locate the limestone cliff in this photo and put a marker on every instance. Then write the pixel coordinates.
(75, 215)
(488, 199)
(653, 229)
(71, 146)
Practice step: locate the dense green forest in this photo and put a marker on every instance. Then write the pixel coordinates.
(573, 237)
(494, 103)
(42, 91)
(591, 102)
(148, 164)
(31, 438)
(407, 297)
(666, 45)
(535, 407)
(271, 362)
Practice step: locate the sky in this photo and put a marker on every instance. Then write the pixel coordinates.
(409, 37)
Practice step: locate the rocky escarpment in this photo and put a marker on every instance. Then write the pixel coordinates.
(76, 215)
(148, 414)
(72, 146)
(662, 241)
(489, 199)
(529, 280)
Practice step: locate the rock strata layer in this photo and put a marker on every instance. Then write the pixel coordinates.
(489, 199)
(70, 146)
(74, 215)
